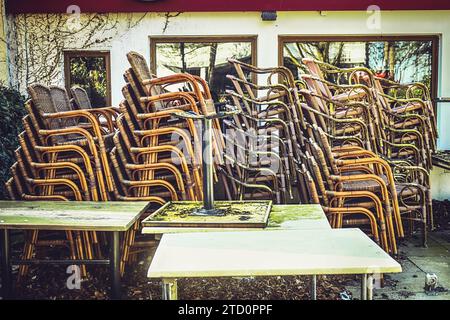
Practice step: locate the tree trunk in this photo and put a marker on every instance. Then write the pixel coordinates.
(212, 62)
(183, 57)
(391, 61)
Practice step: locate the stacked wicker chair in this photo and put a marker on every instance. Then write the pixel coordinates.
(266, 136)
(157, 154)
(63, 156)
(360, 153)
(406, 126)
(139, 151)
(358, 145)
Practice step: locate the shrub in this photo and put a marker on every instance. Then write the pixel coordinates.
(11, 112)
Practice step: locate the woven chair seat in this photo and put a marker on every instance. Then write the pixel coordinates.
(76, 140)
(347, 113)
(406, 139)
(348, 129)
(407, 124)
(409, 208)
(409, 189)
(364, 185)
(407, 108)
(359, 204)
(354, 94)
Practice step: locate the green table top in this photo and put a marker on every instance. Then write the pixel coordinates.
(270, 253)
(70, 215)
(282, 217)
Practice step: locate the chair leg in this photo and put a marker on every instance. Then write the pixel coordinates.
(28, 253)
(80, 252)
(96, 243)
(127, 244)
(69, 236)
(88, 245)
(125, 251)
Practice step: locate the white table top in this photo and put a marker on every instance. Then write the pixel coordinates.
(282, 217)
(269, 253)
(70, 215)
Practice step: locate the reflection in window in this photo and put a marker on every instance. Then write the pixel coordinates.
(205, 59)
(404, 61)
(89, 70)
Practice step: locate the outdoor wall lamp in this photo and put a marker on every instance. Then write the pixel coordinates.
(269, 15)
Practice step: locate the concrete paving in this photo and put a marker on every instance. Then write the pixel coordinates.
(416, 262)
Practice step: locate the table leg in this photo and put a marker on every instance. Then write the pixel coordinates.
(114, 261)
(6, 264)
(364, 287)
(170, 290)
(313, 292)
(370, 287)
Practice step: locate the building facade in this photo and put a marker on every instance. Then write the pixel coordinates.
(42, 38)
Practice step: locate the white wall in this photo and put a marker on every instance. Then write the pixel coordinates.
(440, 183)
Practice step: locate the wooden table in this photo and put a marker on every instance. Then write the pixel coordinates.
(271, 253)
(112, 217)
(282, 217)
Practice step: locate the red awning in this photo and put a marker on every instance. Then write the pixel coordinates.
(60, 6)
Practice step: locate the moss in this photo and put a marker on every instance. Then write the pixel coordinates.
(234, 212)
(283, 213)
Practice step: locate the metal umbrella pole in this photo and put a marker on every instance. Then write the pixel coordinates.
(207, 158)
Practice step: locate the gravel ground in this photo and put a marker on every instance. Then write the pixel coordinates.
(49, 282)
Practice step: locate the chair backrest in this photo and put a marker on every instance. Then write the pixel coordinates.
(316, 175)
(43, 103)
(62, 103)
(60, 98)
(81, 97)
(133, 107)
(10, 186)
(311, 184)
(42, 98)
(136, 86)
(141, 72)
(27, 148)
(139, 66)
(324, 143)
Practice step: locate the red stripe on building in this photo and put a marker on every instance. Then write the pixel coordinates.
(60, 6)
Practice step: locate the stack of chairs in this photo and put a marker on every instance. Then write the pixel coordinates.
(157, 156)
(263, 139)
(358, 145)
(63, 156)
(405, 134)
(331, 127)
(139, 151)
(405, 128)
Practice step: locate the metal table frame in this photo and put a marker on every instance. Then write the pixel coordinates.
(7, 263)
(170, 288)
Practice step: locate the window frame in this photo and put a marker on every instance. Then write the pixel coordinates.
(434, 38)
(252, 39)
(106, 54)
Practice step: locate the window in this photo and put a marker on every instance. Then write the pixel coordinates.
(400, 58)
(202, 56)
(91, 71)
